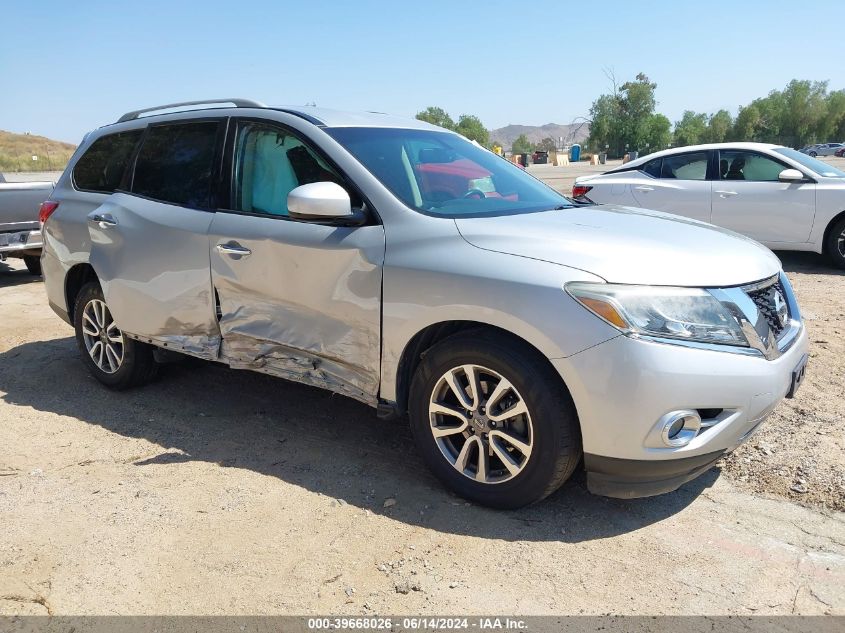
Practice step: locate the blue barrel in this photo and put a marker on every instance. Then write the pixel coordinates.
(575, 153)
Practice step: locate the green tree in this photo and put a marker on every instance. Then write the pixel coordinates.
(657, 134)
(522, 145)
(690, 130)
(637, 105)
(719, 127)
(547, 144)
(747, 124)
(624, 117)
(833, 126)
(606, 125)
(805, 110)
(472, 128)
(436, 116)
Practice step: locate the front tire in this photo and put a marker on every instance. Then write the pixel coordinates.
(112, 357)
(493, 421)
(33, 264)
(835, 244)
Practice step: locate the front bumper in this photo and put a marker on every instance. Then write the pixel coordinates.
(622, 388)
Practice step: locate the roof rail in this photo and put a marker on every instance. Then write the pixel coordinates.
(238, 103)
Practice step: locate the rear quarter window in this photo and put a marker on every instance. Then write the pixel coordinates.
(102, 165)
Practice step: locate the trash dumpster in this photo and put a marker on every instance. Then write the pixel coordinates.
(633, 155)
(603, 158)
(575, 153)
(523, 160)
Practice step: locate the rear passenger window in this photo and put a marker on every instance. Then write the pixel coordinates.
(176, 162)
(102, 165)
(692, 166)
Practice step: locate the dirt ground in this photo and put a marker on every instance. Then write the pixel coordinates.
(214, 491)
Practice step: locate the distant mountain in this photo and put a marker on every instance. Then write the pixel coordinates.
(17, 150)
(573, 133)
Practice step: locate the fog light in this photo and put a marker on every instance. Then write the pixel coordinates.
(679, 428)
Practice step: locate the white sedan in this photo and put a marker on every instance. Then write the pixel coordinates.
(775, 195)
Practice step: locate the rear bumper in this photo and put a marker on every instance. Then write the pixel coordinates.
(16, 242)
(632, 478)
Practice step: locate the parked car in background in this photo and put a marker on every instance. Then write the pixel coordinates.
(540, 157)
(840, 153)
(521, 333)
(822, 149)
(775, 195)
(20, 233)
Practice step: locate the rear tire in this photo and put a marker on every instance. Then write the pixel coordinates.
(114, 359)
(835, 244)
(33, 264)
(542, 445)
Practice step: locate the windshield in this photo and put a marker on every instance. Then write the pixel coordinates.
(443, 174)
(818, 166)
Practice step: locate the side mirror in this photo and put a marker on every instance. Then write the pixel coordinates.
(320, 201)
(790, 175)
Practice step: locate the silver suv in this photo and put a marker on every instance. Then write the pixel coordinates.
(401, 265)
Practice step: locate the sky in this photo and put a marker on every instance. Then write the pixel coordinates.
(69, 67)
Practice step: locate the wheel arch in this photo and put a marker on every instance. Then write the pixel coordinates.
(75, 279)
(836, 218)
(432, 334)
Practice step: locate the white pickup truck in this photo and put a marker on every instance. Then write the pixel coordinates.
(20, 233)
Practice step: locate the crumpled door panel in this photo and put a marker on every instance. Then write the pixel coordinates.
(152, 262)
(305, 304)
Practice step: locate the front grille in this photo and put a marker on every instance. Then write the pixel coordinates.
(767, 300)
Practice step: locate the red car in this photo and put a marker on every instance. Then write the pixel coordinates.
(840, 152)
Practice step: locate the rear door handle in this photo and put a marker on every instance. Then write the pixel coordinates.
(233, 249)
(103, 220)
(644, 188)
(726, 194)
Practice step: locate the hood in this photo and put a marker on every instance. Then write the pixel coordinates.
(625, 245)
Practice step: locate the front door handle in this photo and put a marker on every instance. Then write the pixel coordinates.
(644, 188)
(103, 220)
(726, 194)
(233, 249)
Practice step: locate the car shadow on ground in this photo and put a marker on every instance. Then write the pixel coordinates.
(13, 276)
(801, 262)
(307, 437)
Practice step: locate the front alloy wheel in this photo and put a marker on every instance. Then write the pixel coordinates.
(103, 340)
(493, 420)
(481, 424)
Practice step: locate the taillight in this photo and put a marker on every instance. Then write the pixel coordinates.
(46, 210)
(580, 191)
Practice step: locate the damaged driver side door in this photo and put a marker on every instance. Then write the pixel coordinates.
(296, 299)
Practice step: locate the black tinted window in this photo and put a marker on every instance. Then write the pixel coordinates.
(652, 167)
(102, 165)
(175, 163)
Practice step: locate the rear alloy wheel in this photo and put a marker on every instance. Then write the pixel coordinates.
(114, 359)
(493, 420)
(835, 245)
(103, 340)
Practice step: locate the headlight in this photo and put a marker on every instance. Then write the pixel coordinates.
(690, 314)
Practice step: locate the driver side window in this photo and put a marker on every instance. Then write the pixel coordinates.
(269, 163)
